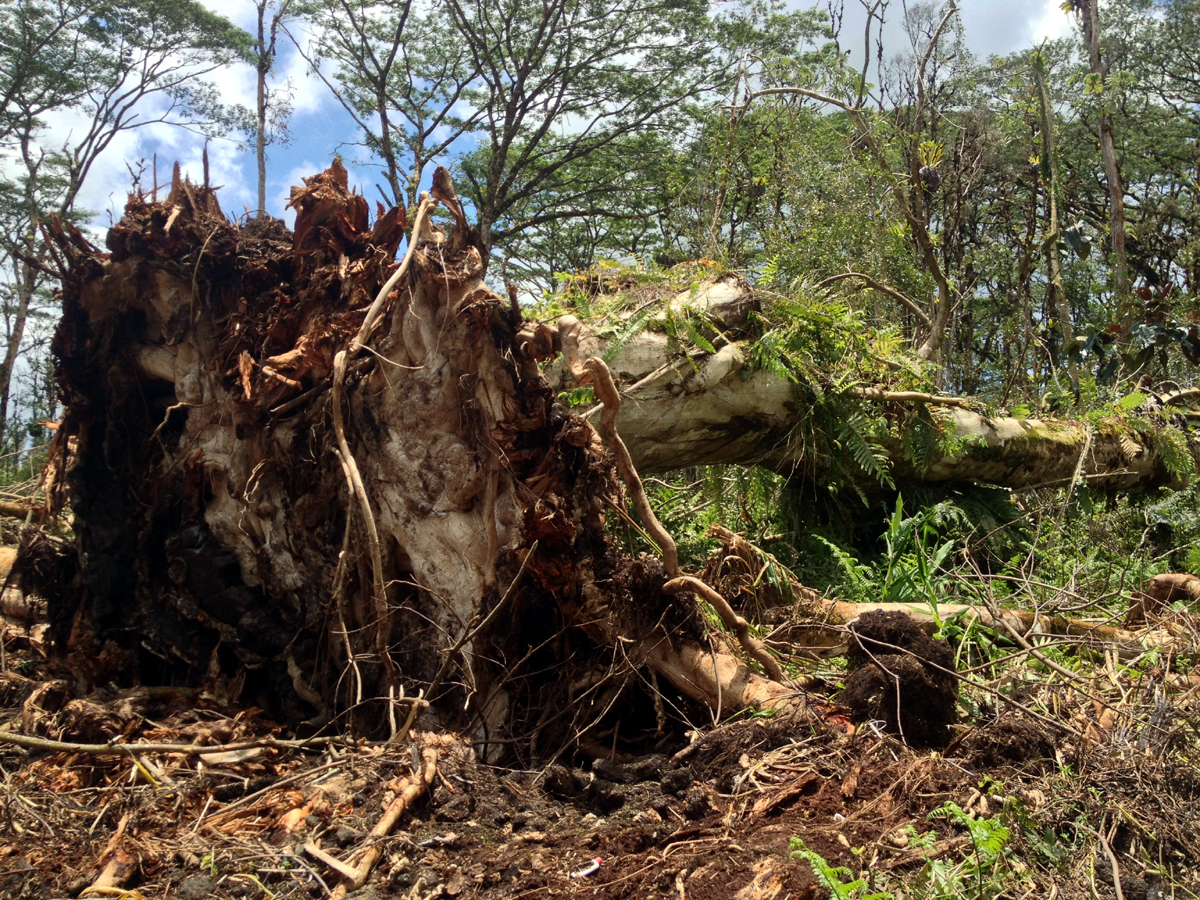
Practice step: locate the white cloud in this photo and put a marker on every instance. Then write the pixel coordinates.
(1052, 24)
(311, 94)
(239, 12)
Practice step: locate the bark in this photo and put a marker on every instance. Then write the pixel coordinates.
(218, 540)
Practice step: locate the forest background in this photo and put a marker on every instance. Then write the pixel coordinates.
(1019, 229)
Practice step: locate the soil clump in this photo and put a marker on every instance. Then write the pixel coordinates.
(902, 677)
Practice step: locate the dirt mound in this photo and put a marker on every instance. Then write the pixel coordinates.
(901, 677)
(1010, 742)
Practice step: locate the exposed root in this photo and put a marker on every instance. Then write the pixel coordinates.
(407, 792)
(722, 682)
(716, 679)
(119, 865)
(754, 648)
(833, 615)
(596, 373)
(1159, 592)
(350, 466)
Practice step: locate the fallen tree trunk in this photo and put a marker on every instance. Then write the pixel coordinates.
(807, 622)
(304, 475)
(686, 407)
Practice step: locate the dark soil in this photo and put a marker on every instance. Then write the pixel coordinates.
(1010, 742)
(712, 815)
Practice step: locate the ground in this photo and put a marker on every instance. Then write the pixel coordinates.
(712, 815)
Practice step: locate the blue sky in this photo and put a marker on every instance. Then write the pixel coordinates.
(320, 128)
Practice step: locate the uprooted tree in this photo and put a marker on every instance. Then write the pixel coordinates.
(305, 473)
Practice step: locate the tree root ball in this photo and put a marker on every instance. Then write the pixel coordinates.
(901, 677)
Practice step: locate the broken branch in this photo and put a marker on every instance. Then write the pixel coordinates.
(908, 397)
(870, 282)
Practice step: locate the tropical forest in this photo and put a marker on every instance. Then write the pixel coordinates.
(727, 450)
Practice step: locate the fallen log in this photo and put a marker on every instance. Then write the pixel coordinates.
(821, 626)
(685, 406)
(814, 623)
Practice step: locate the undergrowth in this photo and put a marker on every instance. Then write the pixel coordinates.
(983, 872)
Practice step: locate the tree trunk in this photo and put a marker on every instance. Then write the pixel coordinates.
(260, 136)
(1049, 168)
(264, 57)
(25, 289)
(694, 408)
(1108, 151)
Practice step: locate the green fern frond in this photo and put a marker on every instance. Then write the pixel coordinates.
(920, 442)
(838, 880)
(631, 329)
(767, 354)
(694, 335)
(858, 583)
(867, 454)
(1172, 447)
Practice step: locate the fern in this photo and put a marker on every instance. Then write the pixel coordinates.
(980, 874)
(694, 335)
(921, 442)
(867, 454)
(631, 329)
(858, 584)
(1130, 402)
(767, 354)
(1176, 454)
(839, 880)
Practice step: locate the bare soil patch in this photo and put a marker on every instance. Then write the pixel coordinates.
(710, 816)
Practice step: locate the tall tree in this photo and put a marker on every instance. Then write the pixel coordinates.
(1089, 15)
(42, 54)
(272, 106)
(660, 191)
(1048, 161)
(402, 74)
(561, 80)
(908, 193)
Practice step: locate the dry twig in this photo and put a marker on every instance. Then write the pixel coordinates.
(413, 787)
